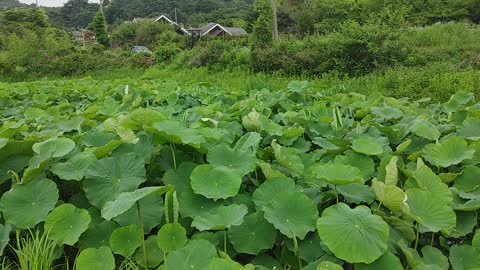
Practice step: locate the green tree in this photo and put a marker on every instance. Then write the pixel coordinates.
(262, 29)
(99, 26)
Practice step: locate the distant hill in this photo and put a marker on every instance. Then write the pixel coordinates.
(6, 4)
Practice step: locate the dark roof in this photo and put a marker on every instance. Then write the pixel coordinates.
(236, 31)
(142, 19)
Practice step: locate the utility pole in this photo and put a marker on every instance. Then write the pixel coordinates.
(275, 21)
(37, 3)
(101, 6)
(176, 16)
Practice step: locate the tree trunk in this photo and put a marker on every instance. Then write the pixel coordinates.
(275, 21)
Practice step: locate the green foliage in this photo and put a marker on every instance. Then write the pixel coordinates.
(34, 251)
(262, 29)
(99, 26)
(236, 177)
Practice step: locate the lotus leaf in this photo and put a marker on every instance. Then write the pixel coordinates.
(125, 240)
(153, 256)
(449, 152)
(353, 235)
(338, 174)
(253, 235)
(425, 129)
(215, 182)
(56, 147)
(224, 217)
(430, 211)
(293, 213)
(24, 206)
(66, 223)
(96, 259)
(105, 179)
(126, 200)
(171, 237)
(75, 168)
(197, 255)
(239, 161)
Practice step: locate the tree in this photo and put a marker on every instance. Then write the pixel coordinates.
(77, 13)
(262, 29)
(100, 29)
(27, 16)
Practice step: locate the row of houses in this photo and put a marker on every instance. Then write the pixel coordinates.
(86, 37)
(208, 30)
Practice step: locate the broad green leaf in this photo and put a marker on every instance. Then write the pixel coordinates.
(464, 257)
(215, 182)
(425, 129)
(470, 129)
(297, 86)
(193, 205)
(239, 161)
(96, 259)
(56, 147)
(431, 212)
(126, 200)
(175, 132)
(248, 142)
(66, 223)
(197, 255)
(223, 218)
(26, 205)
(224, 264)
(142, 116)
(353, 235)
(386, 261)
(3, 142)
(125, 240)
(4, 236)
(364, 163)
(97, 235)
(179, 177)
(387, 113)
(338, 174)
(457, 101)
(75, 168)
(476, 240)
(391, 176)
(253, 235)
(105, 179)
(433, 256)
(356, 193)
(466, 221)
(449, 152)
(468, 181)
(367, 147)
(151, 212)
(270, 189)
(288, 158)
(292, 213)
(429, 181)
(154, 255)
(171, 237)
(326, 265)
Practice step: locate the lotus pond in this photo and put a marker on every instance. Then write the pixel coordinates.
(149, 174)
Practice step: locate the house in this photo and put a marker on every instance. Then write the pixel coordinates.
(215, 30)
(142, 19)
(162, 18)
(178, 28)
(83, 36)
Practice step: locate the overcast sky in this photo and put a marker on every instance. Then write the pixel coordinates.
(48, 3)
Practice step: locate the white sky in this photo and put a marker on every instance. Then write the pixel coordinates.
(48, 3)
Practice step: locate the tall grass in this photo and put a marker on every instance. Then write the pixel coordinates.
(34, 251)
